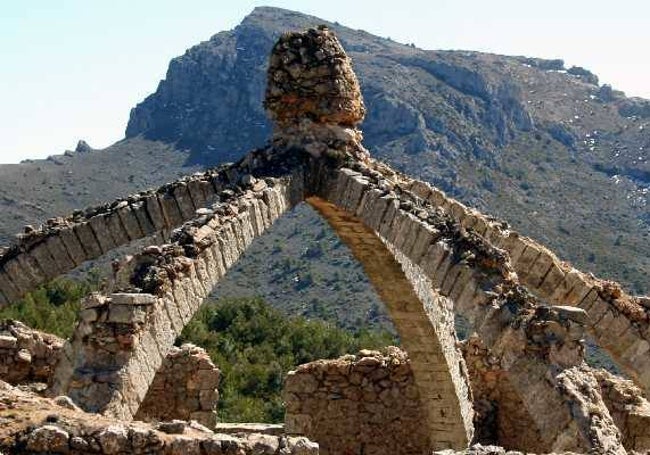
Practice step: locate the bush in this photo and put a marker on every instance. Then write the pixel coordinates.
(255, 346)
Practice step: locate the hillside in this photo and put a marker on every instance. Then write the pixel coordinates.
(559, 157)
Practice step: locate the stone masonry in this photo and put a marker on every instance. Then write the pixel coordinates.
(184, 388)
(428, 256)
(367, 403)
(27, 355)
(37, 425)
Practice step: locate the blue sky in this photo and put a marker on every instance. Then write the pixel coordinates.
(72, 69)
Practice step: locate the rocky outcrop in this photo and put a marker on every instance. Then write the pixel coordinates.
(185, 388)
(367, 403)
(27, 355)
(35, 425)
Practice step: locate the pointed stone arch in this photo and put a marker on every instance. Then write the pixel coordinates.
(428, 256)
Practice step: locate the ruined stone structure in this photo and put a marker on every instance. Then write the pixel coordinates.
(367, 403)
(428, 256)
(32, 424)
(184, 388)
(27, 355)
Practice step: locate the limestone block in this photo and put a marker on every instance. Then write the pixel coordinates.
(458, 211)
(155, 213)
(589, 300)
(436, 197)
(196, 193)
(579, 291)
(269, 197)
(173, 313)
(256, 218)
(377, 207)
(45, 261)
(30, 266)
(425, 237)
(639, 348)
(343, 179)
(553, 279)
(116, 229)
(126, 298)
(184, 201)
(356, 188)
(126, 314)
(21, 279)
(88, 240)
(130, 222)
(434, 256)
(73, 246)
(146, 224)
(526, 261)
(405, 233)
(182, 300)
(597, 311)
(9, 291)
(450, 279)
(59, 253)
(389, 218)
(170, 210)
(102, 234)
(538, 270)
(439, 275)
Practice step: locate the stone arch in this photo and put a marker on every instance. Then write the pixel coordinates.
(122, 338)
(428, 257)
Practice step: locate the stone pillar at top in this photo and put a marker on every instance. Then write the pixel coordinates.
(313, 95)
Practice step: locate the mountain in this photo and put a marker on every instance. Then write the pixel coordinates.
(559, 157)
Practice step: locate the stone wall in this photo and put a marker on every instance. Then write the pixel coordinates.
(36, 425)
(367, 404)
(27, 355)
(185, 388)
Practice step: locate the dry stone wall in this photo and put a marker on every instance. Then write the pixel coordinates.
(27, 355)
(367, 403)
(185, 388)
(36, 425)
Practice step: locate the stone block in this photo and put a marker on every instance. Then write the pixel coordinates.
(425, 237)
(356, 188)
(579, 291)
(126, 314)
(102, 234)
(88, 240)
(434, 256)
(21, 280)
(73, 246)
(538, 270)
(146, 224)
(526, 261)
(376, 212)
(196, 193)
(125, 298)
(184, 201)
(60, 254)
(130, 222)
(436, 197)
(155, 212)
(116, 229)
(30, 266)
(170, 210)
(45, 261)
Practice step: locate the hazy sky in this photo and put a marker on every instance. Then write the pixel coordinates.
(73, 69)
